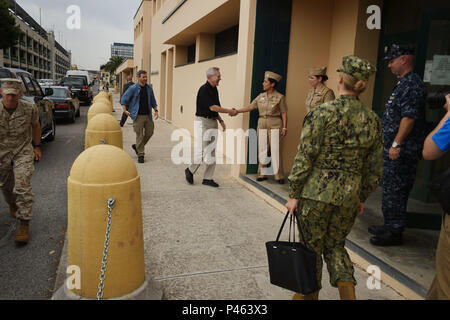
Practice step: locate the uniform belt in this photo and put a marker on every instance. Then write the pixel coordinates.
(265, 117)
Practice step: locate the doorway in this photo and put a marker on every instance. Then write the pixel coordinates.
(425, 26)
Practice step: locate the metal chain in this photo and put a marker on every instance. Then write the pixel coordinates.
(101, 285)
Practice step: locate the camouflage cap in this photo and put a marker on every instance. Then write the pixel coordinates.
(273, 75)
(318, 71)
(398, 50)
(11, 86)
(358, 68)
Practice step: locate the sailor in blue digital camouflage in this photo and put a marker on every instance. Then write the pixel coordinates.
(19, 125)
(404, 135)
(338, 165)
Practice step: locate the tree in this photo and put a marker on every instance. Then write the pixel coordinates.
(9, 31)
(114, 63)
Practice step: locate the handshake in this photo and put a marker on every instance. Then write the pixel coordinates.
(233, 112)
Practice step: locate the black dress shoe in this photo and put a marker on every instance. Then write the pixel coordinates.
(189, 176)
(280, 181)
(261, 179)
(141, 159)
(388, 239)
(210, 183)
(378, 230)
(134, 148)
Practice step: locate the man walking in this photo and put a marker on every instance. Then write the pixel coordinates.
(404, 135)
(207, 116)
(19, 127)
(125, 88)
(140, 100)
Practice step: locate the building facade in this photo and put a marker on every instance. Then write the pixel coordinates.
(124, 50)
(177, 41)
(37, 50)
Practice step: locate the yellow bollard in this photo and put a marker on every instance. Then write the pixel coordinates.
(105, 232)
(97, 108)
(100, 173)
(105, 101)
(111, 98)
(103, 129)
(102, 94)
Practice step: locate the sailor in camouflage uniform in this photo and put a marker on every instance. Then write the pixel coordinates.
(338, 165)
(404, 135)
(19, 126)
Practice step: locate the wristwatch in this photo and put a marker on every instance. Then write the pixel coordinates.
(36, 145)
(395, 145)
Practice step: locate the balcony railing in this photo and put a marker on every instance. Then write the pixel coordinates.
(15, 58)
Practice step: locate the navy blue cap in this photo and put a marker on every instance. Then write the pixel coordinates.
(399, 50)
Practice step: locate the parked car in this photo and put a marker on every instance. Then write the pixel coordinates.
(34, 94)
(79, 86)
(67, 106)
(47, 82)
(80, 73)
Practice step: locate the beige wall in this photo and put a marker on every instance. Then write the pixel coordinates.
(322, 33)
(142, 41)
(309, 47)
(366, 45)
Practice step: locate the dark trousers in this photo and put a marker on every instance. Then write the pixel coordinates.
(398, 181)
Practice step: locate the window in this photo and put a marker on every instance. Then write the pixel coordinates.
(191, 53)
(227, 41)
(28, 85)
(38, 89)
(4, 74)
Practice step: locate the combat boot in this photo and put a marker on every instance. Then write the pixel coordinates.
(311, 296)
(346, 290)
(391, 238)
(378, 230)
(22, 235)
(13, 210)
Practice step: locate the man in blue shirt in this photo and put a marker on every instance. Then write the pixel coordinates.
(436, 145)
(141, 100)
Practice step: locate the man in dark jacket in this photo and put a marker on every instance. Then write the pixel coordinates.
(125, 88)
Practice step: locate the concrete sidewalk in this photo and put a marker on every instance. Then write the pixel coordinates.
(203, 243)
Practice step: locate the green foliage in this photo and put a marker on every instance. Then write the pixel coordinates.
(9, 31)
(113, 63)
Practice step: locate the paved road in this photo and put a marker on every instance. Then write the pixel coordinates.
(29, 272)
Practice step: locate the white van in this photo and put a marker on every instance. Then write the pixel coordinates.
(79, 73)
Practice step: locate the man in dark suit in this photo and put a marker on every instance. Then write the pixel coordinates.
(125, 88)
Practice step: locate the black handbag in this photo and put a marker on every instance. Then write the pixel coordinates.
(441, 190)
(292, 265)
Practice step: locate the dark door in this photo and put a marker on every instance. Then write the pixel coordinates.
(428, 30)
(272, 34)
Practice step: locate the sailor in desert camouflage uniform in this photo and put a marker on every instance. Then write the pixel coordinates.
(338, 165)
(19, 126)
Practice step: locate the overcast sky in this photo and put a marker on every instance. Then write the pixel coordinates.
(103, 22)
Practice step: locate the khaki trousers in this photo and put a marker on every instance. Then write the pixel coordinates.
(440, 289)
(15, 183)
(265, 144)
(144, 129)
(205, 151)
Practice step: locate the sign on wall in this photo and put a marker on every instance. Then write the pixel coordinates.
(441, 70)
